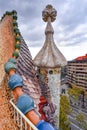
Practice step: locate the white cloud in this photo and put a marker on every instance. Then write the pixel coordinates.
(69, 52)
(72, 52)
(70, 26)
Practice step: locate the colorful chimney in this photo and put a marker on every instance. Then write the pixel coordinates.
(49, 61)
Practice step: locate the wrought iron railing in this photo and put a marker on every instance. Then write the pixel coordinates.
(23, 123)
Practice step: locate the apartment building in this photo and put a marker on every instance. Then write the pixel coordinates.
(77, 71)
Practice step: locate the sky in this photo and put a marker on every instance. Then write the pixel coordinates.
(70, 26)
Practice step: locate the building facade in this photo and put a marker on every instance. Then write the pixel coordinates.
(77, 71)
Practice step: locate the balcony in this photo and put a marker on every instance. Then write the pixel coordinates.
(22, 122)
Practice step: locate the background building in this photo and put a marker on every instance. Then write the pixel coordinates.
(77, 71)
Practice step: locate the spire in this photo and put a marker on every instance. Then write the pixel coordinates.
(49, 28)
(49, 15)
(49, 55)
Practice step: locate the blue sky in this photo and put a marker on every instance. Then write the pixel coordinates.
(70, 26)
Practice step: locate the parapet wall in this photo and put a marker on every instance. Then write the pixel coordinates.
(11, 42)
(7, 41)
(6, 112)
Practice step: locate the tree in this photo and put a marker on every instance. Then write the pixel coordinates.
(65, 104)
(65, 109)
(64, 122)
(82, 121)
(74, 92)
(80, 118)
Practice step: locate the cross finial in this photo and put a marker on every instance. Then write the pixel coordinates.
(49, 11)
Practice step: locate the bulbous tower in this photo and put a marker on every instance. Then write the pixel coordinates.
(49, 60)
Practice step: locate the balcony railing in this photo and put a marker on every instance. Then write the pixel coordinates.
(23, 123)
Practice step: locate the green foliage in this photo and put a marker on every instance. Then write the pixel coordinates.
(64, 122)
(74, 92)
(65, 104)
(80, 118)
(82, 121)
(64, 110)
(85, 125)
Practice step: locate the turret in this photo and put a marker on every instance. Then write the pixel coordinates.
(50, 60)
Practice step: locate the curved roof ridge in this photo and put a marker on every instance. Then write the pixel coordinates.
(15, 45)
